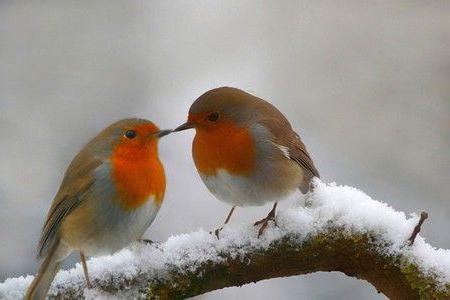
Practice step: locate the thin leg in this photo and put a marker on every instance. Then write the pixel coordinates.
(226, 221)
(229, 215)
(83, 263)
(265, 221)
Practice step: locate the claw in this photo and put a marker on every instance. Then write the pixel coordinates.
(265, 221)
(216, 232)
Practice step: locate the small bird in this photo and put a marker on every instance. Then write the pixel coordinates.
(109, 196)
(246, 151)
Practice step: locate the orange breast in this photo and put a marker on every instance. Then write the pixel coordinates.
(138, 175)
(224, 147)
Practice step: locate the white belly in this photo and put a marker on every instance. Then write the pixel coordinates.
(239, 190)
(118, 228)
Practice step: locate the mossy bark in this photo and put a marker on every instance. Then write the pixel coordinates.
(358, 255)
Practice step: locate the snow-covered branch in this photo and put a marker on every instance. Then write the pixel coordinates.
(339, 229)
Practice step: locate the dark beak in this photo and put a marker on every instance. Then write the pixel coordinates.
(162, 133)
(187, 125)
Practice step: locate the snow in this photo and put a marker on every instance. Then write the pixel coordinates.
(329, 205)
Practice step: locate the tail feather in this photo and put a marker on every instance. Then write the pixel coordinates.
(47, 272)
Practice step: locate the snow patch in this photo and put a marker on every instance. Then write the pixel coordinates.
(328, 205)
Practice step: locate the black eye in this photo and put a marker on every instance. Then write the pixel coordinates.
(213, 117)
(130, 134)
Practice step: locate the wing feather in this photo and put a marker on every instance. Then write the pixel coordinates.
(77, 182)
(289, 141)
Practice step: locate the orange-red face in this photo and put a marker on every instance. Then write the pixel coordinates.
(220, 143)
(139, 135)
(205, 120)
(137, 170)
(138, 140)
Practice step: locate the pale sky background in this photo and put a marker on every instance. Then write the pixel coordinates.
(365, 83)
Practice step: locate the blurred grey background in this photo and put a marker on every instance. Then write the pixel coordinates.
(365, 83)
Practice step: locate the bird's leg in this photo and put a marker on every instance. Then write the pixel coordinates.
(216, 232)
(85, 270)
(265, 221)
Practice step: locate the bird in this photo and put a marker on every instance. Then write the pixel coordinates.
(109, 196)
(246, 152)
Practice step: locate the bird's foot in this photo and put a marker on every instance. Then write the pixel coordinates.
(264, 222)
(217, 231)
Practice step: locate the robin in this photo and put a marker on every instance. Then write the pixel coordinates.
(246, 151)
(109, 196)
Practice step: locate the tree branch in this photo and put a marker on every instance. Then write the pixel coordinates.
(363, 256)
(341, 230)
(357, 255)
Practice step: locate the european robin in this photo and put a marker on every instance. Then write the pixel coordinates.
(246, 151)
(109, 196)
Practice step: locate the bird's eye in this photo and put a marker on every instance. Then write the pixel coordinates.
(130, 134)
(213, 117)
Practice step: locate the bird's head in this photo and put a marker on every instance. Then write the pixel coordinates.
(219, 109)
(129, 137)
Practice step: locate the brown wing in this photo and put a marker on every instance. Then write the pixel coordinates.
(298, 153)
(76, 184)
(283, 135)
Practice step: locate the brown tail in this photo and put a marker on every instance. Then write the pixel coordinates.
(47, 271)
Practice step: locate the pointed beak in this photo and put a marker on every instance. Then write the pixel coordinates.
(161, 133)
(187, 125)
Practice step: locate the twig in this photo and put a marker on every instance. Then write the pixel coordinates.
(423, 217)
